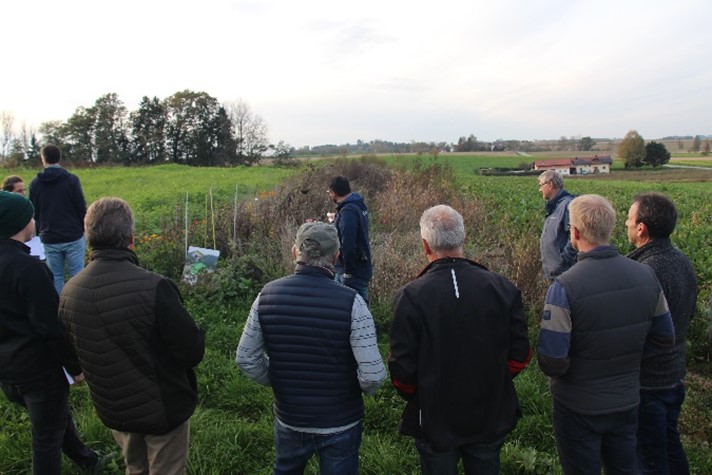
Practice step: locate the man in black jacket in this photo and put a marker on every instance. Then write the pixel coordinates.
(32, 347)
(651, 220)
(136, 343)
(458, 338)
(59, 211)
(600, 318)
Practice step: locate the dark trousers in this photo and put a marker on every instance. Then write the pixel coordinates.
(338, 453)
(359, 285)
(53, 430)
(584, 442)
(477, 459)
(659, 447)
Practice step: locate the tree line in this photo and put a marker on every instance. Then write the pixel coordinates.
(191, 128)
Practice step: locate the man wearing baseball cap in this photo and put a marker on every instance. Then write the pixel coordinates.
(321, 354)
(32, 346)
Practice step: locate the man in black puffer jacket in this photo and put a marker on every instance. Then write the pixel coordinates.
(136, 343)
(651, 220)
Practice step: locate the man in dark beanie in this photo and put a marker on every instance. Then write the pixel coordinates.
(32, 347)
(353, 268)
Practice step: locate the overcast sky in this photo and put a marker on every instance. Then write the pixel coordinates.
(325, 71)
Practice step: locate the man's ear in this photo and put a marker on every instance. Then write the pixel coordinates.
(132, 241)
(642, 230)
(426, 247)
(294, 252)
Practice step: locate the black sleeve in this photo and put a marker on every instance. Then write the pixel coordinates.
(176, 329)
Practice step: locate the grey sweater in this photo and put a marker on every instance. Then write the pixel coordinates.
(677, 278)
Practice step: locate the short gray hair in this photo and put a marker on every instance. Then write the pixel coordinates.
(443, 228)
(109, 224)
(594, 217)
(550, 176)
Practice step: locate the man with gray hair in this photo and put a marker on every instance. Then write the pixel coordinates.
(600, 318)
(136, 343)
(557, 253)
(458, 338)
(321, 354)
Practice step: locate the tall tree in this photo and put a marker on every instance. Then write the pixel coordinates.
(7, 122)
(656, 154)
(706, 148)
(632, 150)
(250, 132)
(586, 144)
(111, 143)
(148, 132)
(76, 136)
(696, 143)
(191, 127)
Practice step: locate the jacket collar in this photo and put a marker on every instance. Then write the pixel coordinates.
(600, 252)
(305, 269)
(551, 204)
(114, 255)
(449, 262)
(656, 246)
(15, 244)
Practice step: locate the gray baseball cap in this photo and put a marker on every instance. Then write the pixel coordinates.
(317, 239)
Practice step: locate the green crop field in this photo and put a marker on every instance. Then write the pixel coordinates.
(231, 430)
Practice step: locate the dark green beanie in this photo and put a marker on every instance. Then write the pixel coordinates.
(15, 212)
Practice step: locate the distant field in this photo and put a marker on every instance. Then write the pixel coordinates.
(156, 190)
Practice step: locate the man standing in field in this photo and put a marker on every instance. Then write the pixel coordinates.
(136, 343)
(354, 266)
(59, 211)
(651, 220)
(322, 353)
(600, 318)
(32, 347)
(557, 253)
(458, 338)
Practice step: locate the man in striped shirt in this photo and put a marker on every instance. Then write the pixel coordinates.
(313, 341)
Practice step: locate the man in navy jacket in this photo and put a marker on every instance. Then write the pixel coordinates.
(353, 268)
(59, 212)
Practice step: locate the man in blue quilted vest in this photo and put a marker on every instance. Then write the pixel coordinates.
(313, 341)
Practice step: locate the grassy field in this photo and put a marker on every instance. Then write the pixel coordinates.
(231, 431)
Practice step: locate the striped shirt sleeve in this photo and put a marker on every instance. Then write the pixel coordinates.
(371, 371)
(251, 357)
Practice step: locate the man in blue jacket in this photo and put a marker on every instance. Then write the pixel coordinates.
(354, 266)
(59, 211)
(600, 318)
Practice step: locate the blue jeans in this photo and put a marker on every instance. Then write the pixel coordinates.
(70, 254)
(53, 430)
(584, 441)
(359, 285)
(338, 453)
(476, 458)
(659, 447)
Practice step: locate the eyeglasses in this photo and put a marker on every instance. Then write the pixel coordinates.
(545, 183)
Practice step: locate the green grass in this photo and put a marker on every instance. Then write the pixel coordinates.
(231, 430)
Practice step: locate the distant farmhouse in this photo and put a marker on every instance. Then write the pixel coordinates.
(576, 166)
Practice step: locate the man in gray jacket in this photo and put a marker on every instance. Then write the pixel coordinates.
(651, 220)
(557, 253)
(600, 318)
